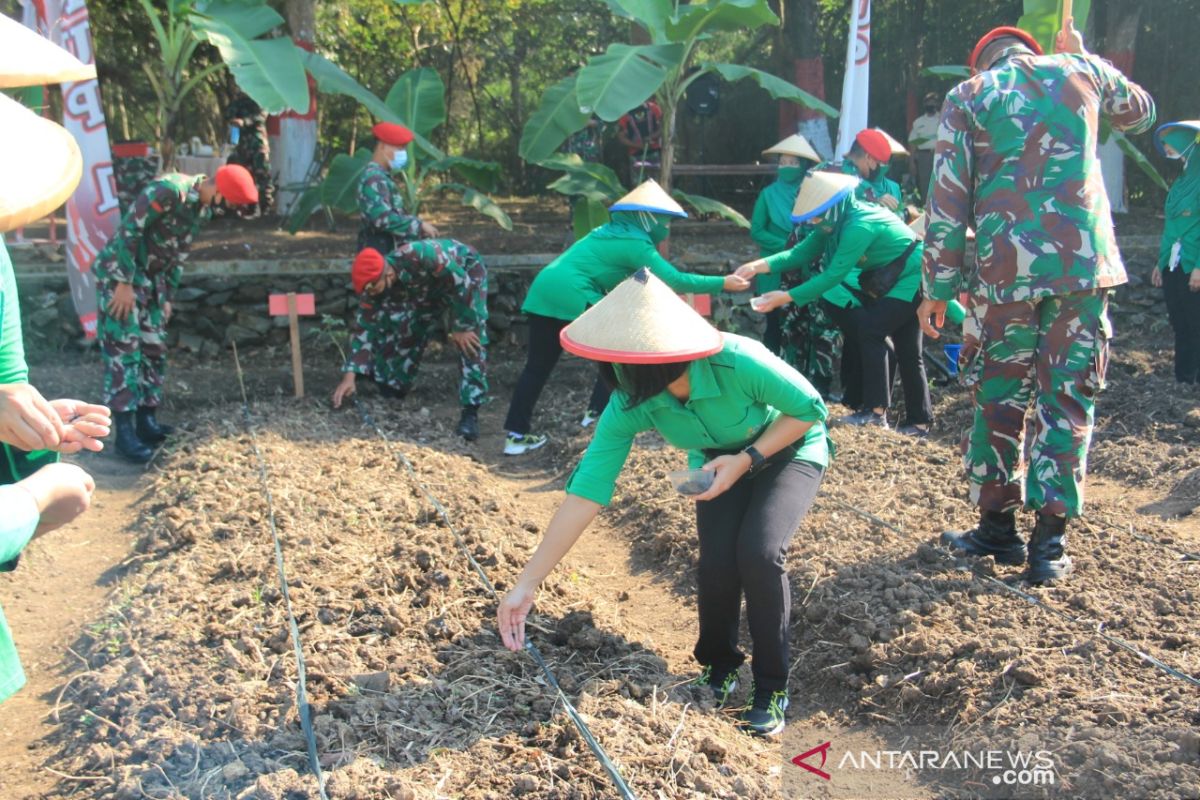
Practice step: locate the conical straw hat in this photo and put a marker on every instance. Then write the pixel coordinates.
(898, 149)
(919, 225)
(641, 322)
(40, 165)
(649, 197)
(794, 145)
(27, 59)
(820, 191)
(1192, 125)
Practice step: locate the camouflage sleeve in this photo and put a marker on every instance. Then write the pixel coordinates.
(949, 206)
(360, 359)
(380, 208)
(1126, 106)
(155, 201)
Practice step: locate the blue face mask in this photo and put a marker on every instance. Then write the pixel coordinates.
(399, 160)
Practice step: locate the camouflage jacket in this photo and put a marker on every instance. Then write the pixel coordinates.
(381, 207)
(1016, 158)
(153, 238)
(251, 121)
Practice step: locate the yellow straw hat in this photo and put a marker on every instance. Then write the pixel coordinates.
(794, 145)
(649, 197)
(40, 163)
(898, 149)
(641, 322)
(819, 192)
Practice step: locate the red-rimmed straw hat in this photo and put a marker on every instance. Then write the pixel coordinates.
(641, 322)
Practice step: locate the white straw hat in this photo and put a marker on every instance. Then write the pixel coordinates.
(898, 149)
(819, 192)
(649, 197)
(641, 322)
(919, 225)
(40, 163)
(27, 59)
(794, 145)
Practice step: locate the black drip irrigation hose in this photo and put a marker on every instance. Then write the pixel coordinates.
(582, 726)
(302, 706)
(1108, 637)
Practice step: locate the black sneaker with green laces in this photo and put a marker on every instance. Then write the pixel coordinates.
(764, 716)
(722, 682)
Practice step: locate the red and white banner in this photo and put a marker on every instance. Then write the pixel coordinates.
(858, 77)
(92, 211)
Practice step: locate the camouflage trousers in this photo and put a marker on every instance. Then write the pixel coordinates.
(134, 350)
(434, 277)
(809, 341)
(255, 157)
(1050, 354)
(131, 174)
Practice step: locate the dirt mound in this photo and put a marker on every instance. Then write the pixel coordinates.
(191, 688)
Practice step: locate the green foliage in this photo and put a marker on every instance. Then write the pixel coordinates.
(588, 215)
(419, 98)
(1043, 19)
(557, 118)
(706, 205)
(957, 71)
(625, 77)
(340, 188)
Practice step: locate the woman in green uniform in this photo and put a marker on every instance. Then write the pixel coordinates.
(771, 223)
(1178, 268)
(580, 277)
(751, 422)
(871, 238)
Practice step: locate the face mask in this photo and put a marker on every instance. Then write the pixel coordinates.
(791, 175)
(878, 173)
(1182, 155)
(655, 226)
(930, 109)
(399, 160)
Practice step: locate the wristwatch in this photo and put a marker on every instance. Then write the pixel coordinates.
(756, 458)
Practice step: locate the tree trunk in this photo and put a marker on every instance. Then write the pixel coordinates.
(667, 157)
(294, 151)
(803, 55)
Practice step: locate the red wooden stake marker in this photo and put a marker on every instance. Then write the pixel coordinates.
(293, 305)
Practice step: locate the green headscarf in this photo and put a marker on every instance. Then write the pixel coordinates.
(1185, 191)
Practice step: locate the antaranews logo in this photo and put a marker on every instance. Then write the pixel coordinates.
(1001, 768)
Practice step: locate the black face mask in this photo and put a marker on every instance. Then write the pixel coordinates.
(930, 109)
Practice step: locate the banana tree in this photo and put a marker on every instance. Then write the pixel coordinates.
(625, 76)
(417, 100)
(268, 69)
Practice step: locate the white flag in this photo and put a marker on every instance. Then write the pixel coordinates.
(858, 77)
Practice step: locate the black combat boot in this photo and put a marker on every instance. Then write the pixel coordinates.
(128, 443)
(391, 392)
(996, 536)
(1048, 560)
(468, 423)
(148, 429)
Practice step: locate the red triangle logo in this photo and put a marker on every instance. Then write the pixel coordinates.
(823, 749)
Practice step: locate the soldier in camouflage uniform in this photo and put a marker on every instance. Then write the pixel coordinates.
(253, 149)
(406, 240)
(135, 274)
(401, 300)
(131, 174)
(1016, 155)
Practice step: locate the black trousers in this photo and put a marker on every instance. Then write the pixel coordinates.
(897, 319)
(773, 336)
(848, 321)
(1183, 309)
(541, 356)
(744, 535)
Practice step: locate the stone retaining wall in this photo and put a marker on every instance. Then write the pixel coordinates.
(227, 302)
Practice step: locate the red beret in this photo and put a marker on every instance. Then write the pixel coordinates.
(997, 33)
(875, 144)
(236, 185)
(368, 266)
(391, 133)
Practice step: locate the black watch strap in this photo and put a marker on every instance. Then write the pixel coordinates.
(756, 458)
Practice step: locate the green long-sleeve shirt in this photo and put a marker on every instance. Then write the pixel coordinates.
(770, 234)
(12, 348)
(17, 525)
(867, 237)
(594, 265)
(734, 396)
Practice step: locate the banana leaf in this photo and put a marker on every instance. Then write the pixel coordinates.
(340, 188)
(555, 120)
(419, 98)
(270, 71)
(480, 202)
(1043, 19)
(652, 15)
(587, 216)
(483, 175)
(778, 88)
(706, 205)
(1138, 157)
(624, 77)
(304, 208)
(603, 176)
(697, 19)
